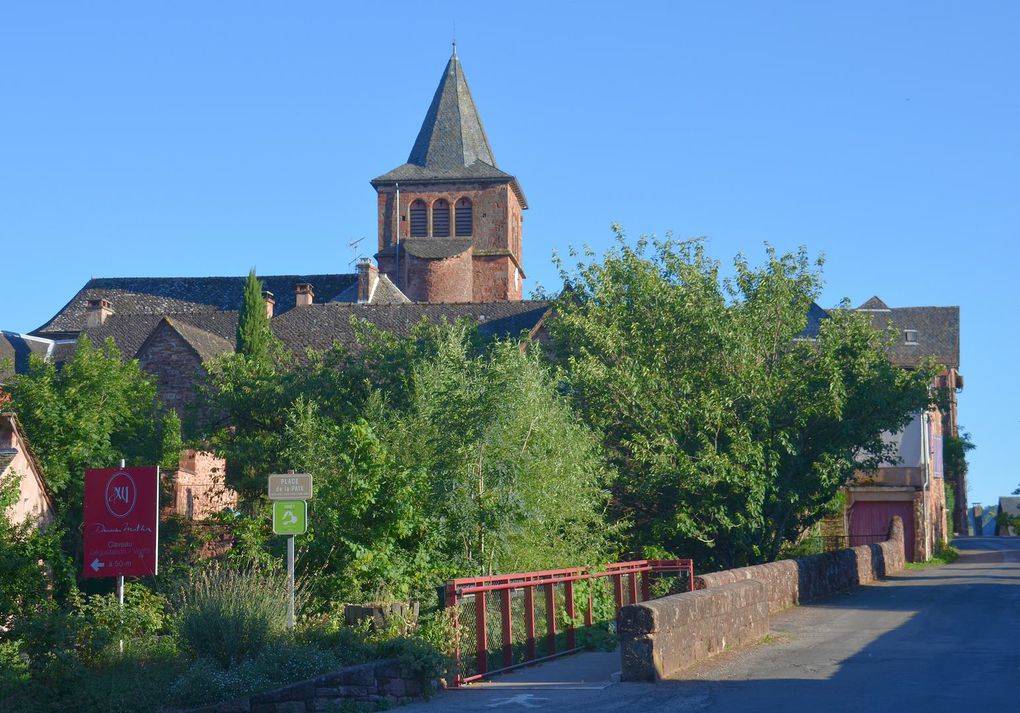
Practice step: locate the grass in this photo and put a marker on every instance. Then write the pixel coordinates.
(944, 556)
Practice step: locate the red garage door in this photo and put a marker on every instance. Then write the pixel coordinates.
(869, 520)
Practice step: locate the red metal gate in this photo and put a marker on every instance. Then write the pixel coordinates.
(506, 621)
(869, 518)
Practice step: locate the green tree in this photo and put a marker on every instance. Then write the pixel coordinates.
(731, 432)
(90, 413)
(254, 337)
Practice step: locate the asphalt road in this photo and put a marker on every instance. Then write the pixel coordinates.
(940, 639)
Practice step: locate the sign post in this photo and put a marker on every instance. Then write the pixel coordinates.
(121, 524)
(290, 493)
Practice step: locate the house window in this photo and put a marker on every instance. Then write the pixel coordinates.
(910, 336)
(440, 219)
(464, 218)
(419, 219)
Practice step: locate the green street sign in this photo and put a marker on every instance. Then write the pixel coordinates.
(290, 517)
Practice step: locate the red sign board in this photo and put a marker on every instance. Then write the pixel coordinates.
(121, 523)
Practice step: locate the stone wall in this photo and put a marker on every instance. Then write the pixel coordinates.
(790, 582)
(662, 636)
(382, 682)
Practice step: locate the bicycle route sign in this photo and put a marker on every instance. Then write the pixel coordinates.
(290, 517)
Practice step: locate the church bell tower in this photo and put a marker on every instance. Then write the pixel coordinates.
(449, 219)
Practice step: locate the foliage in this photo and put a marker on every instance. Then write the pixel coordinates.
(432, 455)
(32, 566)
(254, 337)
(239, 413)
(92, 412)
(171, 445)
(729, 430)
(231, 615)
(954, 453)
(516, 482)
(944, 554)
(207, 680)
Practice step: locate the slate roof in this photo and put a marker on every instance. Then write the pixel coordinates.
(206, 344)
(815, 316)
(180, 295)
(386, 293)
(130, 331)
(1010, 505)
(435, 248)
(451, 144)
(320, 326)
(875, 304)
(16, 349)
(937, 333)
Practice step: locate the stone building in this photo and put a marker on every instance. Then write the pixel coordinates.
(913, 485)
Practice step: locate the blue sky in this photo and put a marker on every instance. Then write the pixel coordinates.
(199, 138)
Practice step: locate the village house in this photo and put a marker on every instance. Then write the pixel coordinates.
(34, 503)
(912, 485)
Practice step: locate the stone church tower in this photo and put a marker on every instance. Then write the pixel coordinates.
(449, 219)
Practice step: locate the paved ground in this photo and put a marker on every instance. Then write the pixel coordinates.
(942, 639)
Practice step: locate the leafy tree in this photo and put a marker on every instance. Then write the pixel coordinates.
(32, 566)
(730, 430)
(516, 480)
(954, 460)
(92, 412)
(254, 337)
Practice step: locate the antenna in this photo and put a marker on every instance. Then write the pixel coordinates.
(454, 38)
(353, 245)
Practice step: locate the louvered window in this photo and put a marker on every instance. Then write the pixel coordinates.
(464, 217)
(419, 219)
(440, 219)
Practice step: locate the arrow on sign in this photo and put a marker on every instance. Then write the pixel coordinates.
(96, 565)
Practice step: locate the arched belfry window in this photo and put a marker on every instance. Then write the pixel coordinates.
(419, 219)
(440, 219)
(464, 217)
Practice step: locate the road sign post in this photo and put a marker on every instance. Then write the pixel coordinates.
(121, 522)
(289, 492)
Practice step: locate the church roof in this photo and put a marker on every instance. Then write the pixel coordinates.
(158, 296)
(451, 144)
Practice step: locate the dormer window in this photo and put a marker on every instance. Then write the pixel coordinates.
(910, 336)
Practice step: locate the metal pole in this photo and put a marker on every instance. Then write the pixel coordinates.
(290, 581)
(120, 584)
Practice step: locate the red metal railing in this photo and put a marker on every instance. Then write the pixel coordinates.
(502, 622)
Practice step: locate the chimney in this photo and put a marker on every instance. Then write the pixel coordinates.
(303, 294)
(97, 312)
(270, 302)
(368, 278)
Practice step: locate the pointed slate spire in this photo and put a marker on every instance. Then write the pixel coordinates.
(452, 135)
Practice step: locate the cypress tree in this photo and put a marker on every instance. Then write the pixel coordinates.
(253, 334)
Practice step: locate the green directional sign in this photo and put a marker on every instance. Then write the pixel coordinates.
(290, 517)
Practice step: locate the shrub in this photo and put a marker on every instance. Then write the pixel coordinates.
(205, 680)
(230, 615)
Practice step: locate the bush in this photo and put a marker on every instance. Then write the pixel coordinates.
(206, 680)
(230, 615)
